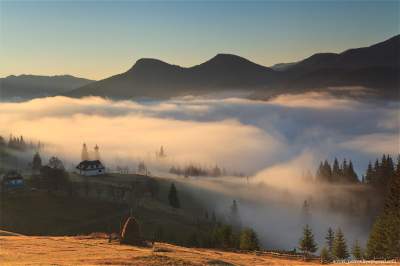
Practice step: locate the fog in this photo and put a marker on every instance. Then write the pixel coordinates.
(273, 141)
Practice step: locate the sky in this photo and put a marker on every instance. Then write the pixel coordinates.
(97, 39)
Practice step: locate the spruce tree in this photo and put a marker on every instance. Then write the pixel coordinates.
(325, 255)
(357, 251)
(84, 153)
(234, 215)
(384, 238)
(173, 197)
(340, 246)
(307, 244)
(327, 171)
(377, 242)
(36, 163)
(336, 172)
(352, 176)
(369, 175)
(330, 237)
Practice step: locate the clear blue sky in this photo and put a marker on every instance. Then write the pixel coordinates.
(96, 39)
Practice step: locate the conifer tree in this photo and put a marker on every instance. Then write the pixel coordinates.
(340, 246)
(336, 172)
(352, 176)
(327, 171)
(84, 154)
(330, 237)
(173, 197)
(307, 244)
(36, 163)
(357, 251)
(369, 176)
(384, 238)
(325, 255)
(377, 242)
(306, 212)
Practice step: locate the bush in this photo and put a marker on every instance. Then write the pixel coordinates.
(248, 240)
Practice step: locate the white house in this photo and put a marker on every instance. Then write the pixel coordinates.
(91, 168)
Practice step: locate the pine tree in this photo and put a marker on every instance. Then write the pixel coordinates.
(36, 163)
(340, 246)
(173, 197)
(306, 212)
(377, 241)
(345, 171)
(369, 176)
(234, 215)
(330, 237)
(307, 243)
(84, 154)
(336, 172)
(327, 171)
(325, 255)
(377, 180)
(352, 176)
(357, 251)
(319, 175)
(384, 238)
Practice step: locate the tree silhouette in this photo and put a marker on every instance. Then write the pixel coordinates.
(307, 243)
(357, 251)
(173, 197)
(340, 246)
(330, 237)
(36, 163)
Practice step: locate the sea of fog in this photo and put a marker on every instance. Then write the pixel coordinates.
(273, 141)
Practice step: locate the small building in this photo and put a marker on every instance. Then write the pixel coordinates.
(91, 168)
(12, 180)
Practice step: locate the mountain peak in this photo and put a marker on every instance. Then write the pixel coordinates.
(227, 58)
(150, 64)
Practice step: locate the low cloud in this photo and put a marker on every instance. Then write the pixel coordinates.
(236, 133)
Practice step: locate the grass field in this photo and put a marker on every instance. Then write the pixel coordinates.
(94, 250)
(37, 212)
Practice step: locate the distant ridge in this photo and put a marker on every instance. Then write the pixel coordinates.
(152, 78)
(24, 87)
(376, 67)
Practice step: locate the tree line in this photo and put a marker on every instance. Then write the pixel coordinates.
(193, 170)
(19, 143)
(384, 237)
(378, 175)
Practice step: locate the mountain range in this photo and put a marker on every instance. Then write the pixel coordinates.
(376, 67)
(23, 87)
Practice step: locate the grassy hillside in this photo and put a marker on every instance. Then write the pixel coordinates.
(94, 250)
(39, 212)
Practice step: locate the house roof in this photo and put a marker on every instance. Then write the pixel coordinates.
(86, 165)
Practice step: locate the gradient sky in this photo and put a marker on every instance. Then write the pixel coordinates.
(96, 39)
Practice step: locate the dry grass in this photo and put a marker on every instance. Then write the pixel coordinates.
(91, 250)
